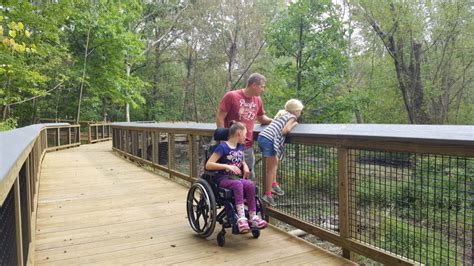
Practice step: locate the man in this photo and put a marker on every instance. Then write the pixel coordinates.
(245, 105)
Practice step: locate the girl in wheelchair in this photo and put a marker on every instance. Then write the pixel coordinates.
(228, 160)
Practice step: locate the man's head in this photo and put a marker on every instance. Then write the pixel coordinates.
(256, 84)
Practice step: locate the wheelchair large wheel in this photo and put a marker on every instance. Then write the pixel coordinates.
(201, 208)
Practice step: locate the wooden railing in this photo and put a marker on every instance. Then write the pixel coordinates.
(99, 132)
(398, 194)
(21, 153)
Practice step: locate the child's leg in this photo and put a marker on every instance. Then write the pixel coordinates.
(274, 181)
(249, 189)
(237, 188)
(271, 171)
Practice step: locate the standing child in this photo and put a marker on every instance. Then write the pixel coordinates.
(271, 141)
(228, 159)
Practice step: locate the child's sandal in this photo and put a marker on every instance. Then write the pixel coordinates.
(259, 222)
(243, 225)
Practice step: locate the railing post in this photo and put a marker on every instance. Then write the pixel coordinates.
(154, 146)
(144, 144)
(69, 135)
(170, 151)
(121, 134)
(344, 221)
(264, 182)
(58, 137)
(19, 238)
(89, 133)
(96, 132)
(126, 146)
(44, 139)
(193, 156)
(29, 195)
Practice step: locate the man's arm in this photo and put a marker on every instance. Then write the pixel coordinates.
(264, 119)
(220, 118)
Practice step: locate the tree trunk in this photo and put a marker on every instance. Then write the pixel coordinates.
(231, 57)
(83, 76)
(188, 94)
(421, 117)
(299, 59)
(127, 104)
(104, 109)
(35, 109)
(409, 78)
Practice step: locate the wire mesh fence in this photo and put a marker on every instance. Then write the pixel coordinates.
(8, 252)
(181, 153)
(309, 177)
(419, 206)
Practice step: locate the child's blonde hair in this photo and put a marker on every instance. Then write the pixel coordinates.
(292, 105)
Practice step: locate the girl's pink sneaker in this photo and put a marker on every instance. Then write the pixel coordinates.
(259, 222)
(243, 225)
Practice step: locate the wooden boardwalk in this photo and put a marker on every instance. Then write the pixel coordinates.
(96, 208)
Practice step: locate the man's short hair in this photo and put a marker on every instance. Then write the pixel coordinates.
(255, 78)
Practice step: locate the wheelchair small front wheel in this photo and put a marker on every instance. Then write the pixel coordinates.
(221, 238)
(255, 233)
(201, 208)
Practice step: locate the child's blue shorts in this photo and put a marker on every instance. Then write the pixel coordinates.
(266, 146)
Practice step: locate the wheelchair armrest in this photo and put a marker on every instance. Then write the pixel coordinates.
(210, 173)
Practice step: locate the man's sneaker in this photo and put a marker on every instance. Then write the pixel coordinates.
(269, 200)
(278, 191)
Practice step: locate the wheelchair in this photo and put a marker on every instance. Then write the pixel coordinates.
(205, 199)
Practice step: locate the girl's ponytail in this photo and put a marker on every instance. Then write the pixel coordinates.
(234, 126)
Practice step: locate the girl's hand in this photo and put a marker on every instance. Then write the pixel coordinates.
(234, 169)
(246, 172)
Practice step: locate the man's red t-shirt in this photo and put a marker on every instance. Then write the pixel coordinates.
(243, 109)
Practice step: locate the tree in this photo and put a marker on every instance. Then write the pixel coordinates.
(308, 42)
(429, 55)
(102, 43)
(32, 56)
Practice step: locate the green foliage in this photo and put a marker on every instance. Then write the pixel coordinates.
(9, 123)
(17, 75)
(407, 240)
(308, 42)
